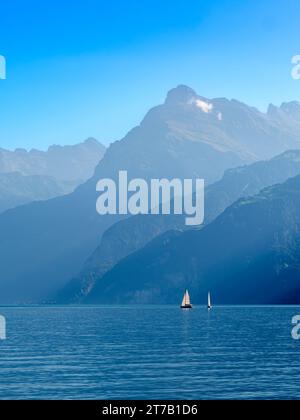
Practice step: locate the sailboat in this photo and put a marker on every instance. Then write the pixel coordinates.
(186, 303)
(209, 304)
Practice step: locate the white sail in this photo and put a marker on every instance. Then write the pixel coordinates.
(209, 301)
(186, 299)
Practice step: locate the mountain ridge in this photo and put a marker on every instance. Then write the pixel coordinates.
(51, 240)
(129, 235)
(256, 241)
(72, 163)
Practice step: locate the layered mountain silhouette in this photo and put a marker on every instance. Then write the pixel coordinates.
(248, 255)
(34, 176)
(44, 244)
(68, 165)
(17, 189)
(129, 235)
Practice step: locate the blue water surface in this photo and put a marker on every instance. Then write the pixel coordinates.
(151, 352)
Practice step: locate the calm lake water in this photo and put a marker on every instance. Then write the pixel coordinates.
(149, 353)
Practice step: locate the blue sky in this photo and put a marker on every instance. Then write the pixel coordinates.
(94, 68)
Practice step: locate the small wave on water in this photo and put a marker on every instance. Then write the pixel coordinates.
(149, 352)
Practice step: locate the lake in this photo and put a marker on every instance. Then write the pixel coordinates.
(149, 352)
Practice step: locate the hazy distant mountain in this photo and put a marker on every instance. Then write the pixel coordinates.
(250, 180)
(119, 241)
(131, 234)
(188, 136)
(248, 255)
(67, 164)
(17, 189)
(35, 175)
(288, 114)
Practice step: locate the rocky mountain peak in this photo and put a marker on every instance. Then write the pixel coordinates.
(181, 94)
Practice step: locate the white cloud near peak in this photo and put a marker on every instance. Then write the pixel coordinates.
(204, 106)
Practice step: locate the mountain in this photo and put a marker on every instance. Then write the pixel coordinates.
(288, 114)
(231, 126)
(44, 244)
(33, 176)
(248, 255)
(119, 241)
(69, 165)
(250, 180)
(17, 189)
(129, 235)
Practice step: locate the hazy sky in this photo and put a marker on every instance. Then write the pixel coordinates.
(94, 67)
